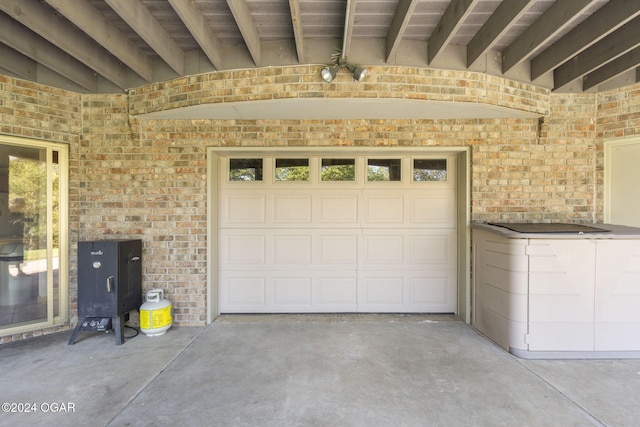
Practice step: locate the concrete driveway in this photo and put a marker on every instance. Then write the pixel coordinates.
(308, 370)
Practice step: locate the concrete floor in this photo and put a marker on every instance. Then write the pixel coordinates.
(313, 370)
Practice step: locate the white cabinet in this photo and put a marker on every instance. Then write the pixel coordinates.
(561, 294)
(617, 296)
(559, 297)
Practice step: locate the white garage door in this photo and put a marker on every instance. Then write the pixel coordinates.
(337, 234)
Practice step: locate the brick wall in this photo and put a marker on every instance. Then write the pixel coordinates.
(134, 178)
(40, 112)
(618, 113)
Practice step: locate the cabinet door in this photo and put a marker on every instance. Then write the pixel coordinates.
(617, 302)
(500, 284)
(621, 182)
(561, 295)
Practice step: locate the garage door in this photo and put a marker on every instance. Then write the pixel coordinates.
(337, 234)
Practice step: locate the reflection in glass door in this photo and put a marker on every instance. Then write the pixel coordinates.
(32, 183)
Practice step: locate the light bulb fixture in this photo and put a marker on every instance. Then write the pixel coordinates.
(330, 71)
(358, 71)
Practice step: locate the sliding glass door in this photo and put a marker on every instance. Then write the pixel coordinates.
(33, 235)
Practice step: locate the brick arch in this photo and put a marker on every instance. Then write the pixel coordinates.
(305, 82)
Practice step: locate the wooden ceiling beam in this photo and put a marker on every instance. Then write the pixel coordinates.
(57, 32)
(622, 64)
(242, 16)
(199, 29)
(398, 26)
(603, 22)
(17, 63)
(298, 33)
(504, 17)
(349, 20)
(559, 15)
(93, 23)
(138, 17)
(31, 45)
(451, 20)
(609, 48)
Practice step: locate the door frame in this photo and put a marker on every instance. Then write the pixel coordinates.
(463, 195)
(52, 320)
(609, 146)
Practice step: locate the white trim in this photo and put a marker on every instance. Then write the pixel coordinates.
(609, 146)
(212, 235)
(463, 220)
(464, 235)
(63, 256)
(334, 151)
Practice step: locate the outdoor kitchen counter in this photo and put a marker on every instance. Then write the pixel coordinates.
(555, 231)
(546, 292)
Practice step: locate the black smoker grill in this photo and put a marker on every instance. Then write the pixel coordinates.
(109, 285)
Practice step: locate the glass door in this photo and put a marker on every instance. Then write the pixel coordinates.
(33, 235)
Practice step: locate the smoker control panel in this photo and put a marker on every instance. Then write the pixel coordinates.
(96, 324)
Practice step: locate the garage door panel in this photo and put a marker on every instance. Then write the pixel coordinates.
(337, 293)
(381, 291)
(337, 208)
(432, 292)
(288, 291)
(243, 208)
(243, 249)
(334, 248)
(381, 249)
(268, 249)
(291, 209)
(337, 246)
(415, 249)
(291, 249)
(240, 293)
(382, 208)
(433, 248)
(432, 208)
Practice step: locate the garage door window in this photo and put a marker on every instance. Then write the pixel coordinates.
(384, 170)
(429, 170)
(245, 170)
(292, 169)
(338, 170)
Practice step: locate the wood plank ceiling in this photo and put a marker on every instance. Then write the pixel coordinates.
(101, 46)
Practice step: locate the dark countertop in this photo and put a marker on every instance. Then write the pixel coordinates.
(560, 231)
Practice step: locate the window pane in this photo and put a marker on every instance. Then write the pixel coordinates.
(429, 169)
(383, 170)
(338, 170)
(23, 245)
(292, 169)
(245, 170)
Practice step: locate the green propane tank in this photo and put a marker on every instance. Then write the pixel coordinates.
(155, 314)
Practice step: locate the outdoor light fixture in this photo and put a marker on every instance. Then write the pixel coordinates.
(358, 71)
(330, 71)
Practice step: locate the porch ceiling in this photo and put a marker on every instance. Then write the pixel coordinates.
(102, 46)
